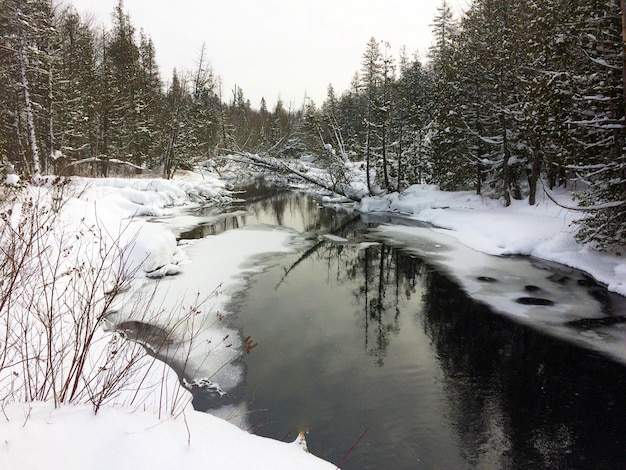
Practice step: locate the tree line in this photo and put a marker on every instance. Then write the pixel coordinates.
(513, 94)
(76, 95)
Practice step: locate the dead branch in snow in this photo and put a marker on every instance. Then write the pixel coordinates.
(595, 207)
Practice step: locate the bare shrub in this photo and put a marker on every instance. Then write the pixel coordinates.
(59, 282)
(79, 324)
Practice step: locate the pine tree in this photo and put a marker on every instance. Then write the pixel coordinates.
(597, 122)
(350, 114)
(75, 113)
(25, 70)
(444, 29)
(371, 83)
(121, 74)
(493, 55)
(176, 101)
(446, 137)
(409, 120)
(149, 102)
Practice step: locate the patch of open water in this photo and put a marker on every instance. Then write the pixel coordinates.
(372, 344)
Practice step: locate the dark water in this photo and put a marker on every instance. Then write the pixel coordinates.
(389, 365)
(283, 209)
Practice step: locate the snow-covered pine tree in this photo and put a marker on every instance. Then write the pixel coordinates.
(597, 122)
(351, 108)
(446, 139)
(75, 116)
(25, 68)
(372, 66)
(409, 120)
(174, 110)
(120, 90)
(148, 112)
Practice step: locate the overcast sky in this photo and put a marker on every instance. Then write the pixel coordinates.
(276, 48)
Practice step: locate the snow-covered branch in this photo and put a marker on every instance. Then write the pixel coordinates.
(108, 160)
(275, 165)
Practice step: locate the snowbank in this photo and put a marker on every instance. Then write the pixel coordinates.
(150, 422)
(544, 230)
(36, 436)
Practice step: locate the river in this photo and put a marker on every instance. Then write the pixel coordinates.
(381, 355)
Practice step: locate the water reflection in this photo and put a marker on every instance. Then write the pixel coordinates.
(271, 207)
(214, 226)
(383, 279)
(337, 352)
(355, 335)
(520, 399)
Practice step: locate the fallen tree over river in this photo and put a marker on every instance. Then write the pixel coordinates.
(337, 182)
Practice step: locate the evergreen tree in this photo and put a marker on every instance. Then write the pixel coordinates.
(25, 71)
(444, 29)
(350, 113)
(176, 103)
(371, 82)
(332, 132)
(446, 136)
(75, 112)
(121, 69)
(410, 117)
(597, 122)
(149, 101)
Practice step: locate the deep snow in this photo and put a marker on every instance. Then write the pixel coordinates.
(37, 436)
(131, 433)
(544, 231)
(150, 423)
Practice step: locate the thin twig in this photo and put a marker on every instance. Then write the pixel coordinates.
(352, 447)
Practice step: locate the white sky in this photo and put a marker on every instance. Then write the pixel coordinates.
(276, 48)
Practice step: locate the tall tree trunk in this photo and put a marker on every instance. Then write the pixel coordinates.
(168, 164)
(623, 5)
(30, 117)
(384, 155)
(367, 159)
(534, 177)
(399, 176)
(506, 171)
(19, 138)
(506, 178)
(51, 149)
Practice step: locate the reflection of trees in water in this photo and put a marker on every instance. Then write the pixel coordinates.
(222, 224)
(283, 207)
(386, 278)
(270, 206)
(520, 399)
(276, 205)
(257, 190)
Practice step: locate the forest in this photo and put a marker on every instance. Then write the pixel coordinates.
(512, 98)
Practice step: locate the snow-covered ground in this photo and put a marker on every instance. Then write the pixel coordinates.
(160, 429)
(552, 298)
(37, 436)
(150, 422)
(544, 231)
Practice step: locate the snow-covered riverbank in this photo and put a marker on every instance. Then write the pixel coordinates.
(71, 437)
(149, 422)
(544, 231)
(160, 427)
